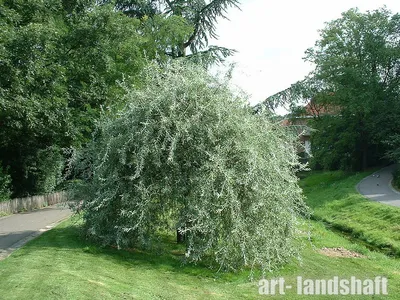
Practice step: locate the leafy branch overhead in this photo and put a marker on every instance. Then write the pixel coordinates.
(201, 15)
(205, 20)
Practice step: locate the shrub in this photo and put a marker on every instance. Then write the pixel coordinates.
(188, 154)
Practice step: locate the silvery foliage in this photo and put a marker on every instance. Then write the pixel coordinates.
(187, 154)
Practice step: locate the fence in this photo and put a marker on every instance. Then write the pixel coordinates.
(30, 203)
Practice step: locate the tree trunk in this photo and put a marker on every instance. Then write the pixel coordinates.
(180, 237)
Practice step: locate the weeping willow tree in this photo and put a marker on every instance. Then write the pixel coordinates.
(187, 154)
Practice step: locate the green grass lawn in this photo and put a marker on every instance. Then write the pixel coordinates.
(334, 199)
(61, 265)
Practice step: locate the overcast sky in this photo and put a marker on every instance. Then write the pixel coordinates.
(271, 37)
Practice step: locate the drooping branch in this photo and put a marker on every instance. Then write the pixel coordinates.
(205, 22)
(170, 5)
(213, 54)
(305, 89)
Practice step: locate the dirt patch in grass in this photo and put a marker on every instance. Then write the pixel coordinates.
(340, 252)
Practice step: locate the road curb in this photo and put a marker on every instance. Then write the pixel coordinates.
(392, 187)
(388, 195)
(22, 242)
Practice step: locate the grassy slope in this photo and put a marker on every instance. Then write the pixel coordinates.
(334, 199)
(59, 265)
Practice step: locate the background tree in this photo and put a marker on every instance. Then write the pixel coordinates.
(32, 89)
(357, 72)
(60, 64)
(187, 154)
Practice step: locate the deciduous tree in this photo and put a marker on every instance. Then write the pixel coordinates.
(60, 64)
(357, 72)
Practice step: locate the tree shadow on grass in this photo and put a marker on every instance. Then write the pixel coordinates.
(68, 237)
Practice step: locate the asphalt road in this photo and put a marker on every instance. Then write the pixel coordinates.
(16, 230)
(378, 187)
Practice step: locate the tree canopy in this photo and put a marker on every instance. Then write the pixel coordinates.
(57, 70)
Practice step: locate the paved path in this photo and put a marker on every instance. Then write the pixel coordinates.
(378, 187)
(16, 230)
